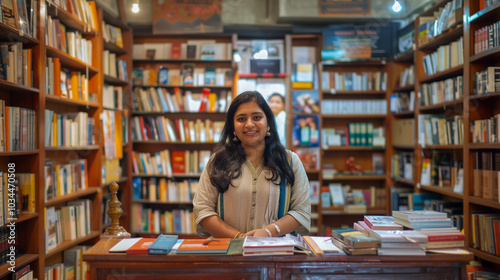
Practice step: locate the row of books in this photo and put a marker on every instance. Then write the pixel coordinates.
(112, 97)
(486, 131)
(441, 170)
(25, 273)
(68, 41)
(113, 67)
(442, 91)
(439, 130)
(487, 81)
(182, 162)
(21, 188)
(62, 179)
(67, 223)
(191, 49)
(16, 63)
(72, 267)
(444, 58)
(161, 100)
(148, 220)
(402, 102)
(112, 34)
(17, 128)
(85, 11)
(356, 134)
(163, 190)
(407, 76)
(69, 130)
(21, 15)
(65, 83)
(359, 107)
(354, 81)
(444, 18)
(485, 175)
(183, 130)
(188, 75)
(402, 165)
(486, 37)
(486, 232)
(339, 195)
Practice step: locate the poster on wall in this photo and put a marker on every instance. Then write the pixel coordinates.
(344, 8)
(187, 16)
(368, 41)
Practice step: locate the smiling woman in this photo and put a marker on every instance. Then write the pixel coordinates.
(252, 185)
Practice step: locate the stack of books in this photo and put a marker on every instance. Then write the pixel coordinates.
(400, 242)
(354, 242)
(438, 228)
(381, 223)
(261, 246)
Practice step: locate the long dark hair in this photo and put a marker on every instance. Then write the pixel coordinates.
(229, 156)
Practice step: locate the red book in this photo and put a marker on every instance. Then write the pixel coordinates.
(445, 236)
(143, 129)
(178, 158)
(141, 247)
(198, 246)
(176, 51)
(204, 100)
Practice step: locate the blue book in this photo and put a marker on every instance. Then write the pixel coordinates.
(163, 244)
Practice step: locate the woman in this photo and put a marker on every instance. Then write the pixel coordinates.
(277, 104)
(243, 192)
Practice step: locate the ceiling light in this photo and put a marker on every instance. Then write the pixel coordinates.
(396, 7)
(135, 7)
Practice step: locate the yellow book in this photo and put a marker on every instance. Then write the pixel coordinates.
(163, 189)
(212, 102)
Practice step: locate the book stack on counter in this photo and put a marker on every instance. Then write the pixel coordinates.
(262, 246)
(400, 242)
(381, 223)
(438, 228)
(354, 242)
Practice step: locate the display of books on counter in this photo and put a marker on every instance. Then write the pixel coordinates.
(259, 246)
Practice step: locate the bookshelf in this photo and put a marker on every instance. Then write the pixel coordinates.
(59, 92)
(481, 104)
(180, 95)
(116, 38)
(303, 50)
(354, 139)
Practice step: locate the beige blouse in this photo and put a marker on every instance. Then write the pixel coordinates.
(246, 206)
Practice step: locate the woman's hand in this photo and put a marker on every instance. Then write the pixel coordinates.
(257, 232)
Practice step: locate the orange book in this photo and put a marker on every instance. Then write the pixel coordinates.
(314, 246)
(118, 134)
(177, 92)
(141, 246)
(198, 246)
(178, 159)
(29, 65)
(204, 99)
(93, 13)
(212, 102)
(176, 51)
(57, 75)
(54, 129)
(74, 86)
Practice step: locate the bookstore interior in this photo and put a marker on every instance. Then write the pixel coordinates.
(99, 169)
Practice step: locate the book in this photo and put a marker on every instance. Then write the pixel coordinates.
(305, 101)
(418, 214)
(434, 223)
(354, 238)
(141, 246)
(124, 245)
(254, 246)
(349, 250)
(401, 251)
(198, 246)
(398, 236)
(381, 222)
(163, 244)
(322, 245)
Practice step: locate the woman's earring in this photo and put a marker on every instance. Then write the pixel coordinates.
(235, 139)
(268, 133)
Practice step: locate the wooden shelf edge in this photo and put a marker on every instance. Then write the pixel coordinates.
(20, 153)
(18, 87)
(485, 256)
(20, 262)
(355, 177)
(73, 148)
(59, 99)
(24, 218)
(68, 244)
(145, 201)
(68, 197)
(448, 191)
(440, 106)
(484, 202)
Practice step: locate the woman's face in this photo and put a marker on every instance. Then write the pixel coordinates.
(276, 104)
(250, 124)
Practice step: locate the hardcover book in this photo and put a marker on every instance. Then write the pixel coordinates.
(254, 245)
(163, 244)
(124, 245)
(141, 246)
(381, 223)
(198, 246)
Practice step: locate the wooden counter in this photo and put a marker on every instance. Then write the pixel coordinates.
(221, 267)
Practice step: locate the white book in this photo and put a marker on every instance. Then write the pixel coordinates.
(124, 245)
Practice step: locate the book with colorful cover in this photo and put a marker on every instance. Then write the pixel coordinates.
(355, 238)
(349, 250)
(141, 246)
(198, 246)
